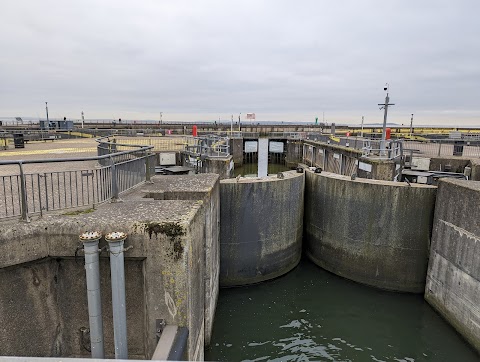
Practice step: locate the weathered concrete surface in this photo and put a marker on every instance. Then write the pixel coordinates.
(236, 150)
(222, 166)
(294, 153)
(475, 165)
(453, 164)
(343, 161)
(372, 232)
(261, 227)
(166, 276)
(206, 188)
(453, 279)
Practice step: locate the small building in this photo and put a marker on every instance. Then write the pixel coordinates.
(61, 125)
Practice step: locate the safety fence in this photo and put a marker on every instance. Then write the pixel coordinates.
(167, 143)
(209, 146)
(444, 148)
(42, 185)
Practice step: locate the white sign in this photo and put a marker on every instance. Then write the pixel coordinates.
(251, 146)
(167, 159)
(275, 147)
(365, 166)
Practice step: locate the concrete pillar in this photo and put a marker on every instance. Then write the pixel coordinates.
(236, 150)
(222, 166)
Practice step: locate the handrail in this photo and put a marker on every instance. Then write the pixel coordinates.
(57, 190)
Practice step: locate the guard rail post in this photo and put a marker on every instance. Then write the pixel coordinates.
(23, 195)
(113, 169)
(147, 167)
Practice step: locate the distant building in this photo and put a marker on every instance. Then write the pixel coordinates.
(63, 125)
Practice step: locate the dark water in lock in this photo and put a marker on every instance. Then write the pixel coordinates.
(313, 315)
(251, 169)
(261, 168)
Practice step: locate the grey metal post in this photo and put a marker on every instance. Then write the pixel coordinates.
(23, 194)
(113, 169)
(384, 130)
(90, 246)
(439, 148)
(361, 133)
(411, 126)
(147, 167)
(115, 243)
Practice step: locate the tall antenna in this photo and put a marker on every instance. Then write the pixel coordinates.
(384, 130)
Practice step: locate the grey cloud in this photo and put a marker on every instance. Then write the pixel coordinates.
(277, 58)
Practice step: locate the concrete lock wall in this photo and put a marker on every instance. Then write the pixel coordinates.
(453, 279)
(166, 273)
(44, 311)
(207, 189)
(294, 153)
(372, 232)
(261, 227)
(236, 150)
(222, 166)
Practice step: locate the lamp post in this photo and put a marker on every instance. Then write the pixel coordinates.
(239, 116)
(46, 108)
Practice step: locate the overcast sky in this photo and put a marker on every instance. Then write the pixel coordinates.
(283, 60)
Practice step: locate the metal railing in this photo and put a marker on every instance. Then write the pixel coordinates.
(372, 149)
(166, 143)
(209, 146)
(42, 185)
(444, 147)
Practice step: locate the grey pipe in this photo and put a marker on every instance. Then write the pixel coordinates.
(115, 242)
(90, 246)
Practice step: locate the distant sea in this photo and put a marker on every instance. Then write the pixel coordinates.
(35, 120)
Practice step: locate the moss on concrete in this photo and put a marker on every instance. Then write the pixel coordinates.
(173, 230)
(78, 212)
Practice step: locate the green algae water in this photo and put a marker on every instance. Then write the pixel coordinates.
(312, 315)
(251, 169)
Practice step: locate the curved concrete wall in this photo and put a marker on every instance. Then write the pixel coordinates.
(373, 232)
(261, 227)
(453, 280)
